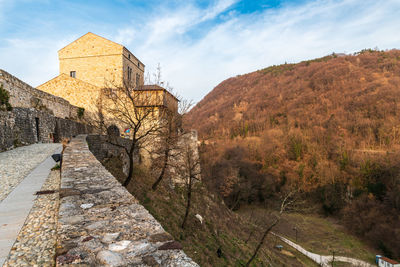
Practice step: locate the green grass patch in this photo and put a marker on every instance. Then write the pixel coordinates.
(56, 167)
(323, 235)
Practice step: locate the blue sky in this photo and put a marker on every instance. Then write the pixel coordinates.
(197, 43)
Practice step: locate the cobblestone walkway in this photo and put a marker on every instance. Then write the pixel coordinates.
(35, 244)
(17, 163)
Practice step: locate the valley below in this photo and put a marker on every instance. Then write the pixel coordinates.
(326, 130)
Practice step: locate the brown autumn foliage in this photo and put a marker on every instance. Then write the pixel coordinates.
(329, 127)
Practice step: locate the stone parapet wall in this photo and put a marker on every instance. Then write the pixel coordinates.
(102, 149)
(101, 224)
(24, 126)
(25, 96)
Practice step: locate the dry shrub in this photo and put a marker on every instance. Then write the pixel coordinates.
(65, 141)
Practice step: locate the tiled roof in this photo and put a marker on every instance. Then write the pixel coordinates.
(154, 87)
(389, 260)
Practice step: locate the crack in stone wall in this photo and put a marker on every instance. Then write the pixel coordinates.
(101, 223)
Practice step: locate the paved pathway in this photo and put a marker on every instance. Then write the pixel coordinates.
(36, 241)
(323, 260)
(18, 163)
(16, 206)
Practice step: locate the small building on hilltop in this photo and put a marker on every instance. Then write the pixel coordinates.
(100, 62)
(107, 80)
(91, 63)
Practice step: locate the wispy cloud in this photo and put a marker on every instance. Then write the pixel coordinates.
(247, 42)
(198, 46)
(34, 61)
(217, 8)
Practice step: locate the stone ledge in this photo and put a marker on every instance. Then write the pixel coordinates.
(101, 223)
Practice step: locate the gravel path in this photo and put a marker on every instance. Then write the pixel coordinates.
(35, 244)
(17, 163)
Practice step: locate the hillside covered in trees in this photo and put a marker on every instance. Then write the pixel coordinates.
(329, 127)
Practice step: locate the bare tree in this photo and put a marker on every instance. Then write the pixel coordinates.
(189, 169)
(129, 107)
(171, 131)
(284, 204)
(169, 139)
(156, 78)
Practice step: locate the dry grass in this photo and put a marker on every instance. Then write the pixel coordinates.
(320, 235)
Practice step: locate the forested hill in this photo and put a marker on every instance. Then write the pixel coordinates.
(355, 94)
(329, 127)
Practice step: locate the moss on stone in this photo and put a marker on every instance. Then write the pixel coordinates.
(4, 99)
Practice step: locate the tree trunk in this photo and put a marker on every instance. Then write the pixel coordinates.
(130, 173)
(248, 238)
(165, 164)
(236, 201)
(262, 241)
(189, 196)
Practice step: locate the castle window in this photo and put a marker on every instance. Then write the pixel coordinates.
(129, 73)
(129, 56)
(72, 74)
(137, 78)
(138, 64)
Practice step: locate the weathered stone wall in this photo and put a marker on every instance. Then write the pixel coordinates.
(129, 60)
(101, 71)
(101, 224)
(187, 146)
(76, 91)
(102, 148)
(24, 126)
(25, 96)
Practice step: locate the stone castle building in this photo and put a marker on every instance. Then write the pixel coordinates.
(91, 63)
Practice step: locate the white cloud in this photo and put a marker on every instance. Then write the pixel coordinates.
(125, 36)
(245, 43)
(170, 25)
(34, 61)
(196, 53)
(217, 9)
